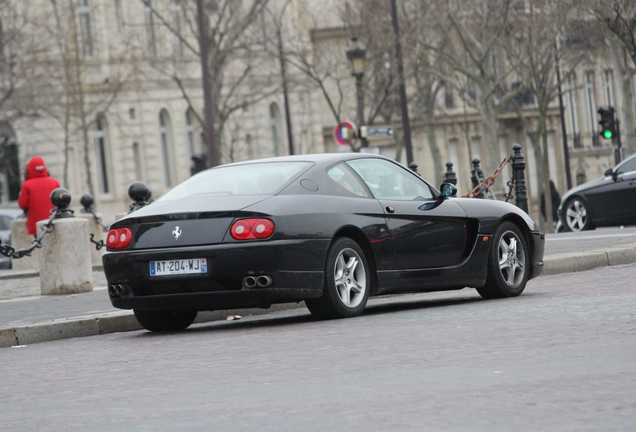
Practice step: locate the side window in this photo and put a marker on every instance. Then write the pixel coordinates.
(389, 181)
(347, 180)
(628, 166)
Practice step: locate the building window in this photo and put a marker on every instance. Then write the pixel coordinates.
(571, 101)
(275, 118)
(449, 97)
(137, 160)
(151, 34)
(475, 148)
(101, 154)
(2, 46)
(119, 14)
(608, 76)
(193, 132)
(86, 32)
(165, 134)
(179, 46)
(590, 100)
(249, 145)
(453, 155)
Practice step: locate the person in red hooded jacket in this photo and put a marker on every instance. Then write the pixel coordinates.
(35, 193)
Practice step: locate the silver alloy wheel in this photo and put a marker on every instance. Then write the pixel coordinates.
(350, 278)
(576, 215)
(512, 259)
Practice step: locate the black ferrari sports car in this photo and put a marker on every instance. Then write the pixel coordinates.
(607, 201)
(329, 229)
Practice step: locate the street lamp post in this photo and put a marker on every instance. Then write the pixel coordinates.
(358, 58)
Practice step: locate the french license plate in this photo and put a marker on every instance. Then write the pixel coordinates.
(178, 267)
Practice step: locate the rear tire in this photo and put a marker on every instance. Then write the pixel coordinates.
(508, 263)
(165, 320)
(347, 282)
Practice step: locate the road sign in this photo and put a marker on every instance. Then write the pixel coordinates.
(370, 132)
(344, 132)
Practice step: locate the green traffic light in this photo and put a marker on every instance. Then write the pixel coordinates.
(608, 134)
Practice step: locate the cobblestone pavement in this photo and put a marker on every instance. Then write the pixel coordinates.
(559, 358)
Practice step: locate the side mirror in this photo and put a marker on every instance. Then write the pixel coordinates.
(448, 190)
(611, 173)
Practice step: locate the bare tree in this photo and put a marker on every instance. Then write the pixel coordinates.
(224, 37)
(472, 63)
(533, 49)
(17, 70)
(74, 97)
(619, 18)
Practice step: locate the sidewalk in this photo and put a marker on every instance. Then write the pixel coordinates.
(32, 319)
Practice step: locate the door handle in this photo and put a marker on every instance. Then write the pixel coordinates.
(389, 209)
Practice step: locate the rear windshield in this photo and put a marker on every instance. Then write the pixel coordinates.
(264, 178)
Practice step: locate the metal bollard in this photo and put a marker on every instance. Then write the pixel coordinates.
(450, 176)
(476, 176)
(94, 225)
(65, 260)
(140, 194)
(519, 177)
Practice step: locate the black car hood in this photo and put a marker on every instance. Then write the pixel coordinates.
(592, 184)
(198, 204)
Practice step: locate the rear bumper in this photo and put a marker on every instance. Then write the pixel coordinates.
(538, 248)
(296, 268)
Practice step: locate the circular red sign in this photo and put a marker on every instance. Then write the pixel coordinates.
(344, 132)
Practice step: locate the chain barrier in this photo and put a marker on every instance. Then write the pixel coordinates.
(511, 187)
(12, 253)
(487, 183)
(99, 245)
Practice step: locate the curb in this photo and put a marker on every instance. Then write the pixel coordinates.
(570, 262)
(103, 323)
(122, 321)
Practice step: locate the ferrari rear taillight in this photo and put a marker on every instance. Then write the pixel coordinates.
(118, 238)
(252, 229)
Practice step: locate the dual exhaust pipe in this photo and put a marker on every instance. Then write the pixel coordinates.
(262, 281)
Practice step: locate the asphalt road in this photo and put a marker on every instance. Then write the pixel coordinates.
(561, 357)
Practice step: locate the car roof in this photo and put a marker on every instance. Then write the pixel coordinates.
(317, 158)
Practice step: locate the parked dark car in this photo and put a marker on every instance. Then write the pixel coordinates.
(330, 229)
(7, 216)
(607, 201)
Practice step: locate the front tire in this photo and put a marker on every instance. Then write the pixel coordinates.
(576, 215)
(347, 282)
(165, 320)
(508, 263)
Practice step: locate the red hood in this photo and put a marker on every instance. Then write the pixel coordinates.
(36, 168)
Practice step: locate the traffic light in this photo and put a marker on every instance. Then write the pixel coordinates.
(607, 122)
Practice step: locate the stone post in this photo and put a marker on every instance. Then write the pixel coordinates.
(519, 177)
(449, 175)
(65, 259)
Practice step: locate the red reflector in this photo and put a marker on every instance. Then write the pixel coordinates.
(252, 229)
(118, 238)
